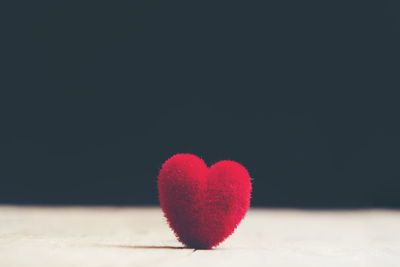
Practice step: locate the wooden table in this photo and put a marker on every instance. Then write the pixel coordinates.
(139, 236)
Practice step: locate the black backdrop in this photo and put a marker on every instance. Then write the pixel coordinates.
(95, 96)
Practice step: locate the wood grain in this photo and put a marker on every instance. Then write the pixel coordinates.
(139, 236)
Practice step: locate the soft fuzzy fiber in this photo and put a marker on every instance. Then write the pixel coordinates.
(203, 206)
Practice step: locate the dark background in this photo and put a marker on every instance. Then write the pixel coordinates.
(95, 96)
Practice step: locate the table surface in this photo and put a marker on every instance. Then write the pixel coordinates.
(139, 236)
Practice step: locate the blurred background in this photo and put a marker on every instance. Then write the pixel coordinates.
(95, 96)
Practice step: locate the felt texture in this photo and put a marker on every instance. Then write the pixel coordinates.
(203, 206)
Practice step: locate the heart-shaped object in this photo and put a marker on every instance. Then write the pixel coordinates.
(203, 206)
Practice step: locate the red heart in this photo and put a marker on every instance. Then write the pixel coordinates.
(203, 206)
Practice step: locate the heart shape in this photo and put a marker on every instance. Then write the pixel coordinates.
(203, 206)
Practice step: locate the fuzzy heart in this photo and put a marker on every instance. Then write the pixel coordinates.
(203, 206)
